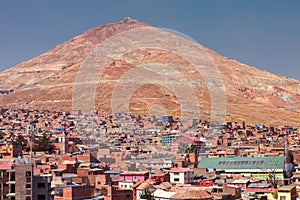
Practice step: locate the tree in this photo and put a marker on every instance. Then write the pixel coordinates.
(2, 134)
(43, 143)
(275, 195)
(20, 140)
(290, 156)
(182, 147)
(192, 149)
(146, 194)
(271, 173)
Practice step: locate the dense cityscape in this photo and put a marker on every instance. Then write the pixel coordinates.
(70, 155)
(149, 100)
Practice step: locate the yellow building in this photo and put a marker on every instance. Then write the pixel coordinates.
(287, 193)
(9, 151)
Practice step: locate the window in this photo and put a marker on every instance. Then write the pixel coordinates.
(41, 197)
(41, 185)
(282, 198)
(28, 192)
(176, 179)
(125, 186)
(28, 176)
(222, 162)
(28, 179)
(28, 185)
(28, 173)
(176, 173)
(12, 176)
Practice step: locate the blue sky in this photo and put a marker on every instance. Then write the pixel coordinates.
(264, 34)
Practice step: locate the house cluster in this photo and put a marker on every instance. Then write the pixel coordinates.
(70, 155)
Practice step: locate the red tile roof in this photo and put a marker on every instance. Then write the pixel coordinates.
(5, 166)
(191, 194)
(179, 169)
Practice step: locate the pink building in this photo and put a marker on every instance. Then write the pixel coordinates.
(129, 178)
(160, 177)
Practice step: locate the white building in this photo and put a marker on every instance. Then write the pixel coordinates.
(181, 175)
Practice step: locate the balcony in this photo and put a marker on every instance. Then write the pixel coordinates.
(11, 182)
(11, 194)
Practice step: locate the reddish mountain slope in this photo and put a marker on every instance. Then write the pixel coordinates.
(46, 82)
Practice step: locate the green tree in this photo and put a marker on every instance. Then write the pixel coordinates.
(20, 140)
(146, 194)
(43, 143)
(2, 134)
(192, 149)
(183, 147)
(290, 156)
(275, 194)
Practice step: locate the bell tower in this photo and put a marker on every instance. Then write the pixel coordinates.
(63, 141)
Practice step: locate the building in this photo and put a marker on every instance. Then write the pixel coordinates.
(41, 187)
(4, 177)
(167, 118)
(10, 151)
(260, 189)
(127, 179)
(140, 189)
(181, 175)
(287, 193)
(168, 139)
(115, 193)
(74, 192)
(159, 177)
(63, 143)
(189, 193)
(259, 167)
(20, 182)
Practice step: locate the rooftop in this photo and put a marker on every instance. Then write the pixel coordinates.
(243, 163)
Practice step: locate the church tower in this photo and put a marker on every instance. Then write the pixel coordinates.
(63, 143)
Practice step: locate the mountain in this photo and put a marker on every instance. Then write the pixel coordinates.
(47, 82)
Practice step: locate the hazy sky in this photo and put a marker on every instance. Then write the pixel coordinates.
(265, 34)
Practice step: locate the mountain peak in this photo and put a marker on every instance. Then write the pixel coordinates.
(127, 19)
(252, 95)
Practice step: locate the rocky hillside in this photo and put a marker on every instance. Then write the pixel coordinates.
(47, 82)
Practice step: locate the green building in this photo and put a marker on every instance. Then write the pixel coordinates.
(259, 167)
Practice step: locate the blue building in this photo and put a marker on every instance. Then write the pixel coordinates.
(167, 118)
(168, 139)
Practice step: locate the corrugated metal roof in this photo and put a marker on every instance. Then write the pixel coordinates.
(243, 163)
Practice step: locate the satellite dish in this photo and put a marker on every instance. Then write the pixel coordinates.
(26, 161)
(18, 159)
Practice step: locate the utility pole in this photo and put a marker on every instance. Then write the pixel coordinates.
(31, 131)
